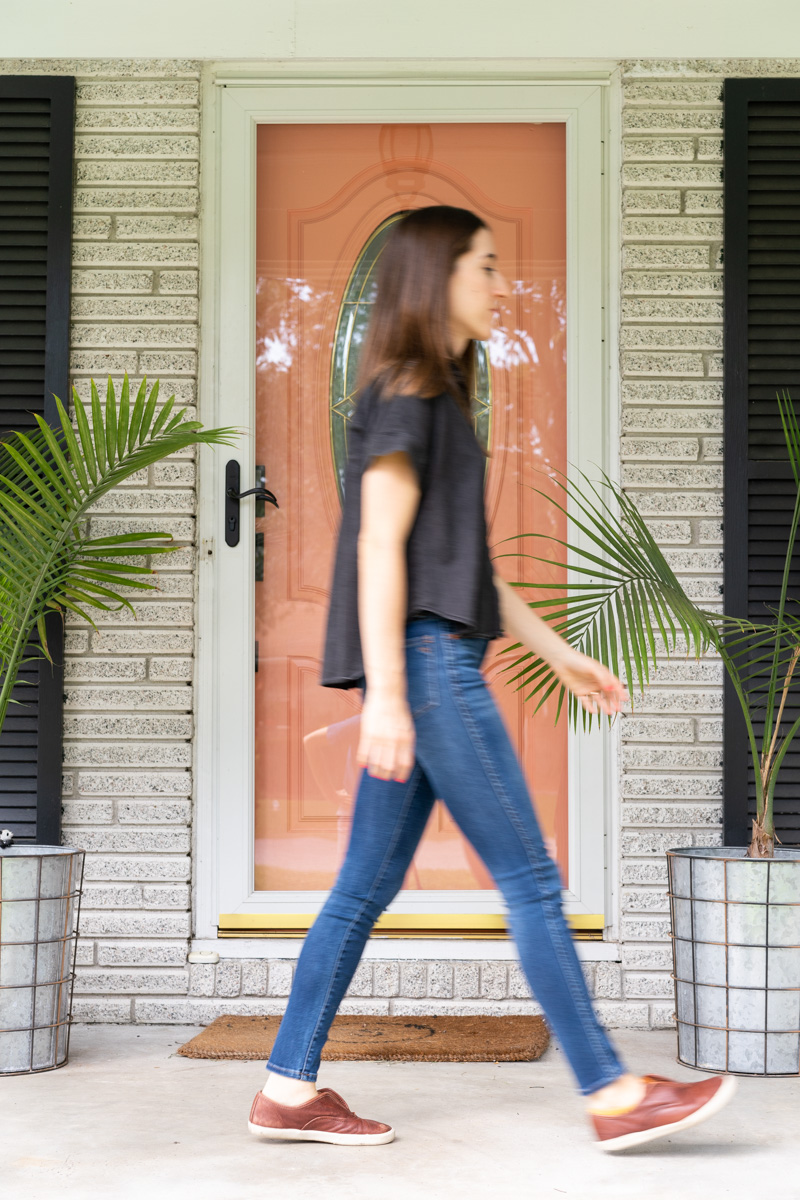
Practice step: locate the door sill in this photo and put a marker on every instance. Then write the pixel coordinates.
(583, 926)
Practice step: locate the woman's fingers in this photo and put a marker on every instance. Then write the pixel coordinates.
(597, 688)
(608, 701)
(606, 692)
(386, 745)
(362, 753)
(395, 763)
(386, 759)
(405, 761)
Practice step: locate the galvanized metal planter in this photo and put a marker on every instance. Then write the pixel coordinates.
(736, 955)
(40, 888)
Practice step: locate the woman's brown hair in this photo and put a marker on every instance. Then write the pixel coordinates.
(406, 347)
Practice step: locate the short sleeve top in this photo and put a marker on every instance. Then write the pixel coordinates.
(448, 564)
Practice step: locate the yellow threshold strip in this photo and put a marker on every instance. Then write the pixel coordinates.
(584, 927)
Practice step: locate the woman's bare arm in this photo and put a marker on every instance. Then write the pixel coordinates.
(390, 495)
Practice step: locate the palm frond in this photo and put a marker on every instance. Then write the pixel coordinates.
(621, 599)
(50, 481)
(619, 603)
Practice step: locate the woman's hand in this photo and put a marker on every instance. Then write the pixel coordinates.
(597, 688)
(386, 744)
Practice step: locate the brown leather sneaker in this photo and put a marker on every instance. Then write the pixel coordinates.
(326, 1118)
(666, 1107)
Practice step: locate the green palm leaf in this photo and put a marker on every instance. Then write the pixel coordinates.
(622, 596)
(49, 482)
(618, 602)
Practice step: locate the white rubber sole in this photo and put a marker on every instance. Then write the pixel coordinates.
(723, 1095)
(315, 1135)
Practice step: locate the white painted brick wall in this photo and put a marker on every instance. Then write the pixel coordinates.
(128, 718)
(408, 988)
(128, 711)
(671, 450)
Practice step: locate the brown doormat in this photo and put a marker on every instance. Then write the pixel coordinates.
(404, 1039)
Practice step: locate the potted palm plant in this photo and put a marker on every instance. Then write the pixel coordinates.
(49, 483)
(735, 910)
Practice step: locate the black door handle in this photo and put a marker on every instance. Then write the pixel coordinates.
(232, 498)
(261, 493)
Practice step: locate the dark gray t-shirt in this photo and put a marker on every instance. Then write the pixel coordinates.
(449, 569)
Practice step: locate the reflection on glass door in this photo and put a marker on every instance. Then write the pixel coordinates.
(327, 197)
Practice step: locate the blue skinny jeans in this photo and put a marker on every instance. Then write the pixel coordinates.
(463, 755)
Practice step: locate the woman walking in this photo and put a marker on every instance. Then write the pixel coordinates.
(414, 605)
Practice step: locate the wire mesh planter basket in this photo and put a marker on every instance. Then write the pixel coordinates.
(736, 958)
(40, 889)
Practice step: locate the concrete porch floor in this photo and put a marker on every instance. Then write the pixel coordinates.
(127, 1119)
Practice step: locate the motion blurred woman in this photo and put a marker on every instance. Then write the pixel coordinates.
(414, 605)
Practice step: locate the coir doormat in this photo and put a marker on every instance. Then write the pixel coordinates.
(403, 1039)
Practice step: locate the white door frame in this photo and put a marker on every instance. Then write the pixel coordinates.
(236, 99)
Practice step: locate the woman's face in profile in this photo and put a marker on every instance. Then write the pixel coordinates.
(476, 289)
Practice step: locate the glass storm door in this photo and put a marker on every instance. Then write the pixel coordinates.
(327, 196)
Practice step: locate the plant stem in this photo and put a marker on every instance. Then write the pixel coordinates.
(766, 759)
(779, 626)
(733, 675)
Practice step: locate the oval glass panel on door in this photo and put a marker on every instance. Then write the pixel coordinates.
(327, 196)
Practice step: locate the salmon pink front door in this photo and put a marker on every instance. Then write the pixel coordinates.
(327, 196)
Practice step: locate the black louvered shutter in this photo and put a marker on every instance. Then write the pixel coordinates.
(762, 356)
(37, 120)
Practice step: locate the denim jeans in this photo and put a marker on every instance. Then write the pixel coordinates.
(464, 756)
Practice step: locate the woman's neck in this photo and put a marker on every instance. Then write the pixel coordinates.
(457, 344)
